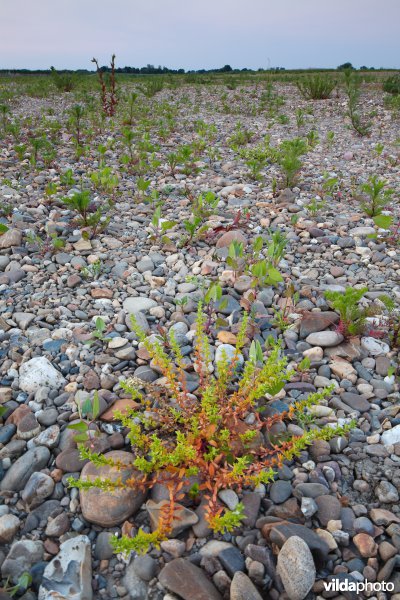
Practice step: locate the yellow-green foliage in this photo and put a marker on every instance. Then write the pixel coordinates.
(205, 434)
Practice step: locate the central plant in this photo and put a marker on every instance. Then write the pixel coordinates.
(214, 435)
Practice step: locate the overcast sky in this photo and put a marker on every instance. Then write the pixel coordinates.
(192, 34)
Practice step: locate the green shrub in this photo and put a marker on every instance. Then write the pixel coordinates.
(316, 87)
(391, 85)
(207, 436)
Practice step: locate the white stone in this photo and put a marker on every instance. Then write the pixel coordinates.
(137, 304)
(39, 372)
(391, 436)
(69, 575)
(374, 347)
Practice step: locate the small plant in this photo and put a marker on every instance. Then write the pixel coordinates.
(240, 137)
(98, 333)
(175, 436)
(289, 158)
(161, 226)
(77, 113)
(90, 215)
(86, 429)
(377, 197)
(312, 138)
(20, 150)
(4, 111)
(142, 186)
(92, 271)
(379, 148)
(105, 181)
(109, 99)
(67, 178)
(316, 87)
(23, 583)
(330, 138)
(300, 121)
(353, 317)
(352, 88)
(315, 205)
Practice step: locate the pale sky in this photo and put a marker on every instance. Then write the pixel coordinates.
(194, 34)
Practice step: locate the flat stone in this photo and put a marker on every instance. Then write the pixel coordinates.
(381, 516)
(187, 581)
(325, 339)
(69, 575)
(386, 492)
(137, 304)
(373, 346)
(232, 560)
(366, 545)
(110, 508)
(183, 517)
(313, 322)
(329, 508)
(123, 405)
(69, 461)
(310, 490)
(296, 568)
(356, 401)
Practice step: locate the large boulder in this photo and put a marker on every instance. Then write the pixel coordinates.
(110, 508)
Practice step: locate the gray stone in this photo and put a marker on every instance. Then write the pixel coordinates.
(20, 472)
(386, 492)
(9, 525)
(39, 487)
(187, 581)
(296, 568)
(21, 557)
(280, 491)
(325, 339)
(242, 588)
(138, 304)
(391, 436)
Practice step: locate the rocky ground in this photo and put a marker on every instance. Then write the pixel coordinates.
(333, 511)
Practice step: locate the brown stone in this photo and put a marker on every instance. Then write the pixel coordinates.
(365, 544)
(111, 508)
(91, 380)
(231, 236)
(122, 405)
(317, 321)
(19, 413)
(226, 337)
(102, 293)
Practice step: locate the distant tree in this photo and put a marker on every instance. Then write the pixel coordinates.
(344, 66)
(226, 69)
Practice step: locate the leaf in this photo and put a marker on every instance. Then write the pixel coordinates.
(383, 221)
(3, 228)
(86, 407)
(221, 322)
(274, 275)
(100, 324)
(96, 405)
(81, 437)
(81, 426)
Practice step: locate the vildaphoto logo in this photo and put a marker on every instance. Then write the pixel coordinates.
(338, 585)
